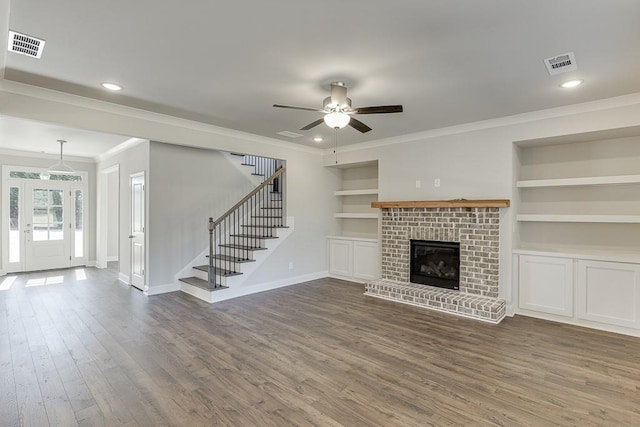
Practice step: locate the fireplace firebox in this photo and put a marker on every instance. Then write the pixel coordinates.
(435, 263)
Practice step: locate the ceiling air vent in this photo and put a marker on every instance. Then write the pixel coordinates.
(561, 63)
(289, 134)
(25, 45)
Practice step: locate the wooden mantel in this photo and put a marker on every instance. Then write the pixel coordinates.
(455, 203)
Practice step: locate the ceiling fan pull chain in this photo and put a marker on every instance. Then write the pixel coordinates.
(335, 148)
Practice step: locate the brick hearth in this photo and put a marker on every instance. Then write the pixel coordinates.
(478, 232)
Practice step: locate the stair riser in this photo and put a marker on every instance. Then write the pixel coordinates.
(228, 265)
(205, 276)
(255, 242)
(236, 252)
(264, 222)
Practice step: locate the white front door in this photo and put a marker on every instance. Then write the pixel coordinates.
(137, 230)
(43, 221)
(47, 225)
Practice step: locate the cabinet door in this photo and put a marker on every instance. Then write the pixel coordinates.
(340, 257)
(546, 284)
(365, 260)
(609, 292)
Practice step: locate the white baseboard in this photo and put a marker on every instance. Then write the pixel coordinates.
(112, 258)
(511, 311)
(162, 289)
(123, 278)
(239, 291)
(348, 279)
(92, 263)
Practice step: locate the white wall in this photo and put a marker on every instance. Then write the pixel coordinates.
(113, 215)
(474, 161)
(186, 186)
(133, 160)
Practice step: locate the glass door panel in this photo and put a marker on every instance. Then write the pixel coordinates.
(14, 225)
(79, 224)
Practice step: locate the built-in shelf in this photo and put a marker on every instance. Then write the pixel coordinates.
(592, 180)
(456, 203)
(358, 215)
(618, 219)
(356, 192)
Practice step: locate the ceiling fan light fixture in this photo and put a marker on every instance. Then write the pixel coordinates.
(337, 120)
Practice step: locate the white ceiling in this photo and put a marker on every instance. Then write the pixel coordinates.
(226, 63)
(24, 135)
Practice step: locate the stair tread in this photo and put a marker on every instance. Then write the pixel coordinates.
(242, 247)
(219, 271)
(264, 226)
(231, 258)
(202, 284)
(253, 236)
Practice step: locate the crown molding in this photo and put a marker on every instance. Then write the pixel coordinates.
(551, 113)
(129, 143)
(108, 107)
(39, 155)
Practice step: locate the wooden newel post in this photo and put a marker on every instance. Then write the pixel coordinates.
(212, 272)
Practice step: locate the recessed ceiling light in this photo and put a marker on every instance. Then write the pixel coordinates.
(318, 139)
(111, 86)
(571, 83)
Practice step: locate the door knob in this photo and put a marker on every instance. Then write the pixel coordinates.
(131, 236)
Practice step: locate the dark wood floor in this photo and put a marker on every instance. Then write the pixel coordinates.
(92, 351)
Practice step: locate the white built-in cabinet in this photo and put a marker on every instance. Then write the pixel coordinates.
(577, 229)
(602, 294)
(353, 258)
(609, 293)
(546, 285)
(354, 250)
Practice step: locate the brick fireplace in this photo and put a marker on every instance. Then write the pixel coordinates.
(475, 225)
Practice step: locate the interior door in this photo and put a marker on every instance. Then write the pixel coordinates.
(47, 225)
(137, 231)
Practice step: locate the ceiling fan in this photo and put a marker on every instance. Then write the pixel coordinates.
(338, 112)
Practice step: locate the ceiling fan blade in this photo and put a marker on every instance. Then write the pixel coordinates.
(358, 125)
(299, 108)
(378, 110)
(313, 124)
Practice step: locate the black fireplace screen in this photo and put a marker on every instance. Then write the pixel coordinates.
(435, 263)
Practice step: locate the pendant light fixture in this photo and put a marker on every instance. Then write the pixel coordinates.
(61, 167)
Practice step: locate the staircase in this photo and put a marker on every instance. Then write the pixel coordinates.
(243, 231)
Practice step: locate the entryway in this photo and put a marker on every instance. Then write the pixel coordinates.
(43, 219)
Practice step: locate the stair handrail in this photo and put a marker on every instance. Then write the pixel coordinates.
(255, 191)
